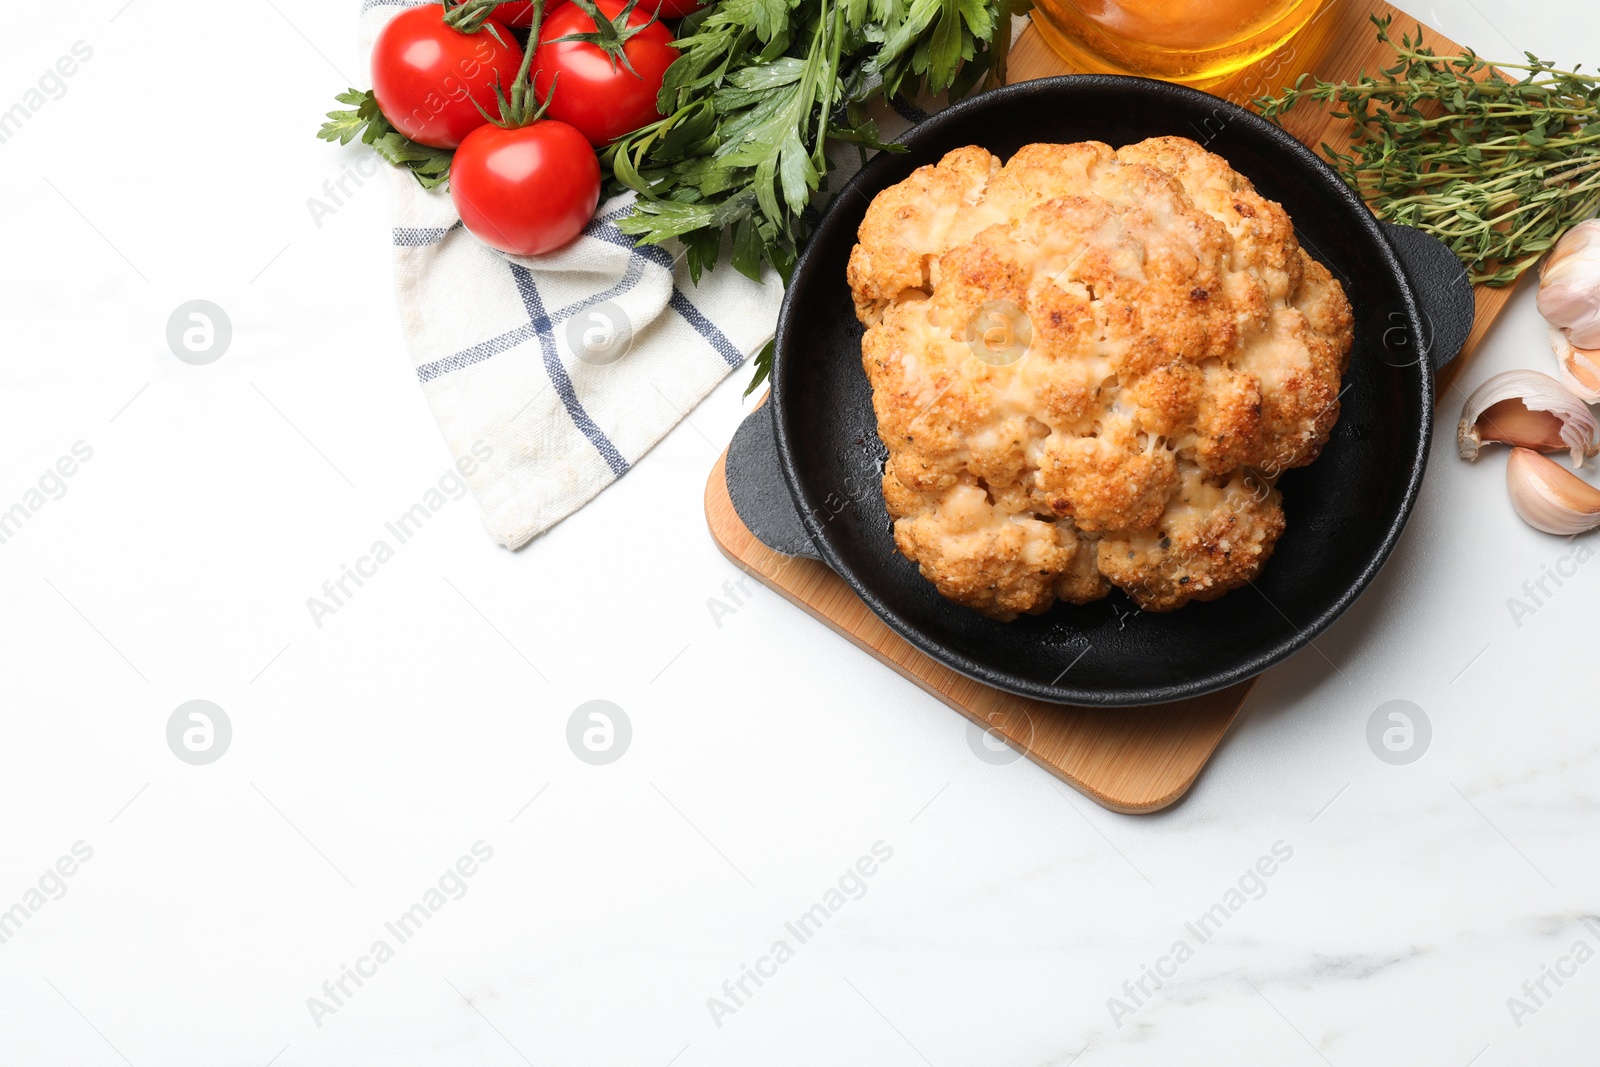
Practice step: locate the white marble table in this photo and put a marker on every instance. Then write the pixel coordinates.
(611, 911)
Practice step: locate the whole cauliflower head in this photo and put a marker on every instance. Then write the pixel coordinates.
(1089, 366)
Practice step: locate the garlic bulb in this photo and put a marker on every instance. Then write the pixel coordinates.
(1549, 497)
(1569, 285)
(1530, 410)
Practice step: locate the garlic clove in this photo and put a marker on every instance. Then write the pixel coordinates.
(1527, 409)
(1579, 367)
(1511, 423)
(1569, 285)
(1549, 497)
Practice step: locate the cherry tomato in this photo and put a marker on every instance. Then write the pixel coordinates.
(426, 75)
(520, 13)
(601, 100)
(525, 191)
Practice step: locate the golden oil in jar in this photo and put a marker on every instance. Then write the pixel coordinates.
(1196, 42)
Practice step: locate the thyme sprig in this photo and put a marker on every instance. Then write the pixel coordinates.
(1496, 166)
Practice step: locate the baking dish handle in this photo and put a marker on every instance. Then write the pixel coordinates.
(1444, 292)
(759, 493)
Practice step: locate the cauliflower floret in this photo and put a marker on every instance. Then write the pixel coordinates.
(1210, 540)
(1165, 350)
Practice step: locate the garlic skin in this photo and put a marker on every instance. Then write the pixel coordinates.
(1569, 285)
(1527, 409)
(1549, 497)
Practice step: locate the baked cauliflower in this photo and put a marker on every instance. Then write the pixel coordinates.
(1089, 366)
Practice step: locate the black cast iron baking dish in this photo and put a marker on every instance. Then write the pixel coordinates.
(804, 470)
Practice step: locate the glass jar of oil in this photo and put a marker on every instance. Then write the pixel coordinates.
(1196, 42)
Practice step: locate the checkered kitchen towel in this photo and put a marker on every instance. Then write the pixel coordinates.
(565, 368)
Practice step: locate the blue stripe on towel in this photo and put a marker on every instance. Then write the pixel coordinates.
(907, 110)
(703, 326)
(558, 374)
(421, 237)
(512, 338)
(476, 354)
(602, 228)
(607, 231)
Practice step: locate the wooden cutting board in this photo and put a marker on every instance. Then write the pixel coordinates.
(1131, 760)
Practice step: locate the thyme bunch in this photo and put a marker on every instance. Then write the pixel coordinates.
(1496, 167)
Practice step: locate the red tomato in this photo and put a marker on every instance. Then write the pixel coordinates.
(520, 13)
(601, 100)
(672, 9)
(426, 75)
(525, 191)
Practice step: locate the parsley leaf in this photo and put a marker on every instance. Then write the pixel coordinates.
(431, 166)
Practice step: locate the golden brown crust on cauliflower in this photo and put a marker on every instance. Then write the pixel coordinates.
(1088, 366)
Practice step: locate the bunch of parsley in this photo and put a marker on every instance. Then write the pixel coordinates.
(760, 90)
